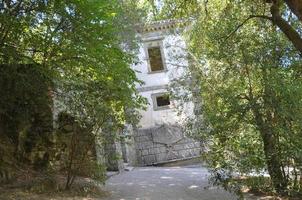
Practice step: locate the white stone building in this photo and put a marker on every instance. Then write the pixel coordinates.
(160, 137)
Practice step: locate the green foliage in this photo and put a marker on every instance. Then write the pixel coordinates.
(277, 13)
(83, 51)
(74, 152)
(250, 80)
(80, 44)
(25, 112)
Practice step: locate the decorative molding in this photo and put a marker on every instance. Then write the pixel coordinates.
(155, 87)
(153, 39)
(162, 25)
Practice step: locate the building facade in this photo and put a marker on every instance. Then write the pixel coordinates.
(160, 136)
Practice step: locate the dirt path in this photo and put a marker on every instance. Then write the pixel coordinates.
(165, 183)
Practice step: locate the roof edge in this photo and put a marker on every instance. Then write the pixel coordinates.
(161, 25)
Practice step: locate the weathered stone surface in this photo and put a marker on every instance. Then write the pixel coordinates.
(161, 157)
(151, 151)
(197, 144)
(167, 134)
(152, 147)
(149, 159)
(145, 152)
(184, 153)
(143, 138)
(197, 151)
(179, 147)
(156, 150)
(162, 150)
(172, 155)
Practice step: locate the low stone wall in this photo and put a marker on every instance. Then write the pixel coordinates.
(162, 144)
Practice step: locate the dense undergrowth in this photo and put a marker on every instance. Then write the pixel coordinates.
(65, 80)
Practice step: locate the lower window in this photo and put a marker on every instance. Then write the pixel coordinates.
(161, 101)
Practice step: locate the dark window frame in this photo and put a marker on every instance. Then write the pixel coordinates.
(155, 59)
(155, 43)
(155, 103)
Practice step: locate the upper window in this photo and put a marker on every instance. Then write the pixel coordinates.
(155, 57)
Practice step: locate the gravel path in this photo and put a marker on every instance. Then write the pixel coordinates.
(165, 183)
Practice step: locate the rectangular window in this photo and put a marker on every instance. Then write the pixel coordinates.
(161, 101)
(156, 61)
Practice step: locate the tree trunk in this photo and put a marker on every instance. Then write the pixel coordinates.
(273, 162)
(285, 27)
(296, 7)
(274, 165)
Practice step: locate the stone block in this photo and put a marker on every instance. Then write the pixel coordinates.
(180, 141)
(139, 133)
(166, 134)
(139, 139)
(189, 140)
(156, 150)
(151, 151)
(145, 152)
(163, 149)
(143, 146)
(145, 138)
(136, 140)
(190, 145)
(178, 147)
(158, 145)
(146, 145)
(197, 144)
(196, 152)
(139, 153)
(184, 153)
(161, 157)
(150, 159)
(138, 146)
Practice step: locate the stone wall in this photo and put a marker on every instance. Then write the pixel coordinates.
(162, 144)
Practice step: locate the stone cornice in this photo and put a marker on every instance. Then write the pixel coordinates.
(161, 25)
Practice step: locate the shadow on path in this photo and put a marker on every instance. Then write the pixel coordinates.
(165, 183)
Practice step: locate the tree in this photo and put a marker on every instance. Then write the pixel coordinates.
(250, 86)
(278, 12)
(296, 7)
(84, 47)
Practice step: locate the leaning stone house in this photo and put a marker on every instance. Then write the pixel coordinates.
(159, 136)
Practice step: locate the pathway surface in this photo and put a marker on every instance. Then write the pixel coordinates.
(165, 183)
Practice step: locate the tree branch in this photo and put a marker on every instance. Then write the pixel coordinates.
(296, 7)
(285, 27)
(245, 21)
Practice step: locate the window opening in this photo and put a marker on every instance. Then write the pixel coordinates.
(163, 100)
(156, 61)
